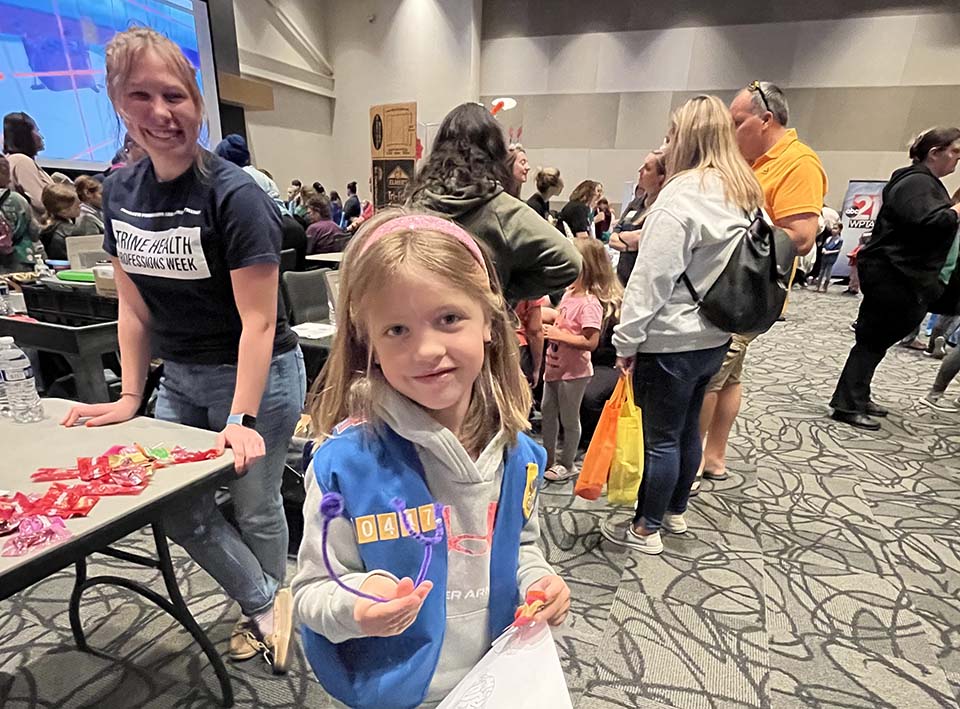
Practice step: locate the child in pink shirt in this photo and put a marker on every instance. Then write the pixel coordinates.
(571, 339)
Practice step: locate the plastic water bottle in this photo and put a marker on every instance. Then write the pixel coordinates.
(5, 307)
(5, 344)
(17, 374)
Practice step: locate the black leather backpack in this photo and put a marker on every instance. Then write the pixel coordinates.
(749, 294)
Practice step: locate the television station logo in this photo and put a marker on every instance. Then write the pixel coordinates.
(862, 212)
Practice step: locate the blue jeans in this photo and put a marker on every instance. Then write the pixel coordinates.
(669, 389)
(249, 565)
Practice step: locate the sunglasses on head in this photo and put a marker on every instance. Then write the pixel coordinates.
(755, 86)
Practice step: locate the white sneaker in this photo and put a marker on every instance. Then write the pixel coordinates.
(622, 534)
(939, 404)
(675, 524)
(558, 473)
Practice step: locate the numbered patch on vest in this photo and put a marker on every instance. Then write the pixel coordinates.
(388, 525)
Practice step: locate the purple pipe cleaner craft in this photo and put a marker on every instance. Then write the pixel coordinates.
(331, 507)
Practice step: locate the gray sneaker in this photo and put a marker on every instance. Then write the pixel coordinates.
(937, 348)
(621, 533)
(938, 403)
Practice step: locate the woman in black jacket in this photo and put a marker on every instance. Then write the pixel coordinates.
(899, 269)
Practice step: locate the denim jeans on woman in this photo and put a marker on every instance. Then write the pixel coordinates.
(249, 565)
(669, 389)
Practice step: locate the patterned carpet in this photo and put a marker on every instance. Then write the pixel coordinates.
(825, 572)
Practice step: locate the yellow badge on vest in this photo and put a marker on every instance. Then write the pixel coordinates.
(530, 493)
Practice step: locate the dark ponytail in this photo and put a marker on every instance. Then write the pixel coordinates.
(938, 137)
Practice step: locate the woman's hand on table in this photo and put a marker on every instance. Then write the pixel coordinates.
(247, 445)
(118, 411)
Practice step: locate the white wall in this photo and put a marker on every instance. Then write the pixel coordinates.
(426, 51)
(592, 102)
(295, 140)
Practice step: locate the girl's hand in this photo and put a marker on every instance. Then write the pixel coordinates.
(552, 332)
(103, 414)
(625, 364)
(247, 445)
(384, 620)
(557, 603)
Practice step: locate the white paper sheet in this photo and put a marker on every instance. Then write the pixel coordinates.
(314, 330)
(522, 672)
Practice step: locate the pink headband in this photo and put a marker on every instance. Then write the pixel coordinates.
(415, 222)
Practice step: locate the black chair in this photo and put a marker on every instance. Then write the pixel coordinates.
(288, 260)
(305, 294)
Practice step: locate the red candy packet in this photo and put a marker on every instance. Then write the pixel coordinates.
(64, 501)
(105, 489)
(181, 455)
(49, 475)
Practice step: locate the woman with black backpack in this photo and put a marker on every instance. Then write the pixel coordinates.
(663, 338)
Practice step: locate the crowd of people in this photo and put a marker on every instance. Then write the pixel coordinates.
(459, 316)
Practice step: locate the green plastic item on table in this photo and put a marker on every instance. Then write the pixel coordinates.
(76, 276)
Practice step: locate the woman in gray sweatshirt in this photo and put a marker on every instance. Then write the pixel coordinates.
(672, 349)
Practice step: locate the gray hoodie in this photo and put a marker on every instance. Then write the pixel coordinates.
(531, 256)
(691, 228)
(468, 488)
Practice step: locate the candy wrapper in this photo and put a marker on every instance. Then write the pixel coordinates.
(49, 475)
(8, 521)
(107, 489)
(124, 465)
(64, 501)
(180, 455)
(35, 532)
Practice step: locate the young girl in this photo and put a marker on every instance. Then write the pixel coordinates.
(831, 252)
(574, 335)
(421, 409)
(62, 210)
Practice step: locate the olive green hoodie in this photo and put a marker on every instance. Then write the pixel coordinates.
(531, 256)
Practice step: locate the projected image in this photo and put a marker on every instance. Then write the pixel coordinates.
(52, 66)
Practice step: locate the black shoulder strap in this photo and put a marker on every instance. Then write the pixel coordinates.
(6, 193)
(689, 285)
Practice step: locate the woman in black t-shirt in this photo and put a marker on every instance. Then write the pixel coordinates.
(195, 245)
(576, 217)
(549, 184)
(626, 234)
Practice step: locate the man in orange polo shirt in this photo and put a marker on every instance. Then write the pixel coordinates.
(794, 184)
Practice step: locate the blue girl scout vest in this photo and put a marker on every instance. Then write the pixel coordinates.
(369, 470)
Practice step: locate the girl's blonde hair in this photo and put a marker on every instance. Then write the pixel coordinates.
(348, 384)
(124, 52)
(597, 276)
(703, 137)
(57, 198)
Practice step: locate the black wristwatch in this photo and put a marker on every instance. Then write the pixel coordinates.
(245, 420)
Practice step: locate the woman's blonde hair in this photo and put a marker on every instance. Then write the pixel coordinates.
(702, 137)
(125, 50)
(597, 276)
(348, 384)
(58, 197)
